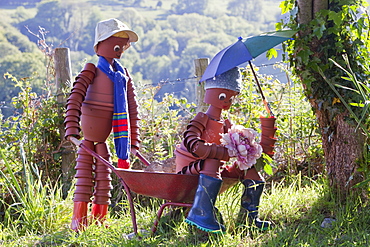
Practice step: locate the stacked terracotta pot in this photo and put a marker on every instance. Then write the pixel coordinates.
(268, 135)
(74, 102)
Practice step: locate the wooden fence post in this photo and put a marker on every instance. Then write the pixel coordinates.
(200, 66)
(63, 81)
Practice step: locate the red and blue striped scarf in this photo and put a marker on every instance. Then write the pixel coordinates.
(120, 116)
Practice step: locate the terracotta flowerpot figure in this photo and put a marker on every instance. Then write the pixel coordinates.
(103, 98)
(201, 152)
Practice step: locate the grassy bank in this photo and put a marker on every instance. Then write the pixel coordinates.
(297, 209)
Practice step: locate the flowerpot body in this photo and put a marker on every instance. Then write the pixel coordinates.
(96, 124)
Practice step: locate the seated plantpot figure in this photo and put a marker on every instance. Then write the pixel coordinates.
(201, 152)
(102, 98)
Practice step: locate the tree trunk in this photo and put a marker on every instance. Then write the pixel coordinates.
(318, 5)
(304, 11)
(342, 155)
(342, 144)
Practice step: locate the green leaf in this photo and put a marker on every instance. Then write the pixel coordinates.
(357, 104)
(268, 169)
(286, 6)
(272, 53)
(362, 184)
(347, 88)
(279, 26)
(336, 17)
(319, 31)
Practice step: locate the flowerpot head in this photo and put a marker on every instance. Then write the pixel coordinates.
(113, 47)
(112, 38)
(219, 97)
(221, 89)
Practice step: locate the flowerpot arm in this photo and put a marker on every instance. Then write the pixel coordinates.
(198, 147)
(133, 113)
(75, 99)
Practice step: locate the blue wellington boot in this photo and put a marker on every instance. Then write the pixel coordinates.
(250, 202)
(202, 213)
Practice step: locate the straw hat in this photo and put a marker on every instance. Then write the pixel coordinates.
(111, 27)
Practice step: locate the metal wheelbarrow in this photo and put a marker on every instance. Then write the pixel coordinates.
(176, 189)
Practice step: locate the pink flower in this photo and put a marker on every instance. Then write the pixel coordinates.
(241, 143)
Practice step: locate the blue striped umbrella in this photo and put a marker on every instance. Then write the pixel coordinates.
(244, 50)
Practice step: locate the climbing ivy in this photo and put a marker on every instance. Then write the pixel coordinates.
(341, 29)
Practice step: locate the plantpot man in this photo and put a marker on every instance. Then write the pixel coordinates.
(102, 97)
(201, 153)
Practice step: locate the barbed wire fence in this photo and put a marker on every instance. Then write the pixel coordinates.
(160, 84)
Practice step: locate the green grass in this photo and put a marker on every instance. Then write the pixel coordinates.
(297, 210)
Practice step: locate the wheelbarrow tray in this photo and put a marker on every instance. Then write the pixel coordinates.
(168, 186)
(177, 189)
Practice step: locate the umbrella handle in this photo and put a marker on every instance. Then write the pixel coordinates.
(267, 104)
(268, 108)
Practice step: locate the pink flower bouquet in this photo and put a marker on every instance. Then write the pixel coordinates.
(241, 143)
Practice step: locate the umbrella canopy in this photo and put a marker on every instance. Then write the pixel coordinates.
(244, 50)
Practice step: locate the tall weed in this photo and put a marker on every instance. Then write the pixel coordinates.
(29, 153)
(37, 205)
(34, 126)
(162, 122)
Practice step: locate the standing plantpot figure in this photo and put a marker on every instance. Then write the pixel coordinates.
(102, 98)
(204, 152)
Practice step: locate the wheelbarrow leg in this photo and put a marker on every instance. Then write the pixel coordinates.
(163, 206)
(131, 203)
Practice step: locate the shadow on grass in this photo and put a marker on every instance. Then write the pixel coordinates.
(349, 228)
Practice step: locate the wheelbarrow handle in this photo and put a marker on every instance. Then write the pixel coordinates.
(74, 140)
(79, 143)
(142, 158)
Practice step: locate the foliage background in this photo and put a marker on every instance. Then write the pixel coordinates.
(171, 36)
